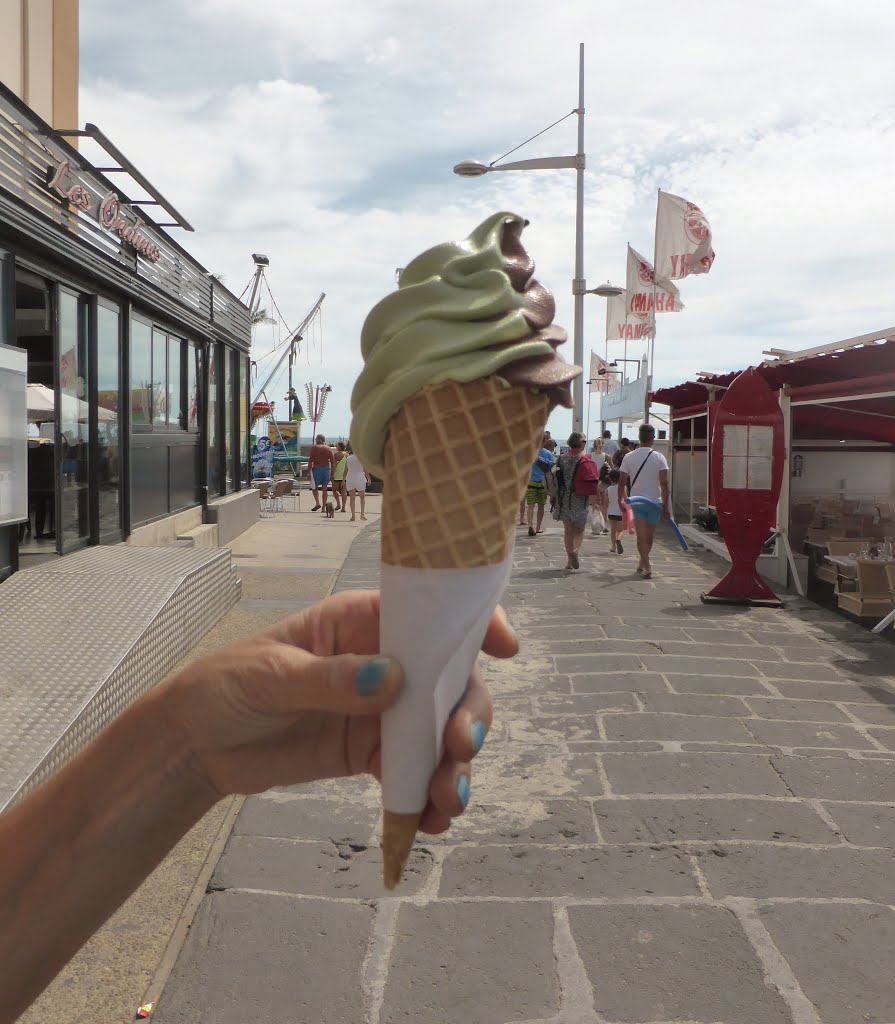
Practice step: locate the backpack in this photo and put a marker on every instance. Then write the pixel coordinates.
(586, 478)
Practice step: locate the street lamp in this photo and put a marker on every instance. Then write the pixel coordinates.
(475, 169)
(593, 380)
(615, 362)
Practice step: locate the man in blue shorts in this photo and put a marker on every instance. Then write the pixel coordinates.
(644, 473)
(536, 492)
(322, 464)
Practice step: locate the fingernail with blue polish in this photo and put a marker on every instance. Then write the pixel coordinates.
(479, 732)
(463, 790)
(370, 677)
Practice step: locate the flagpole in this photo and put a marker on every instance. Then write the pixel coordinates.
(652, 336)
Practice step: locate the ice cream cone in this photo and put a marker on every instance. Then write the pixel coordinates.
(457, 459)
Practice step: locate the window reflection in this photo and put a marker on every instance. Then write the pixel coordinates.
(73, 457)
(108, 443)
(159, 378)
(193, 376)
(141, 373)
(228, 416)
(213, 453)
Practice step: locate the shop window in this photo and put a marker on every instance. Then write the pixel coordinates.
(213, 455)
(159, 379)
(176, 418)
(242, 413)
(164, 393)
(108, 468)
(141, 375)
(228, 416)
(193, 376)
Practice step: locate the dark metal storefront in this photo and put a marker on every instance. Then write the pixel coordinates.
(137, 359)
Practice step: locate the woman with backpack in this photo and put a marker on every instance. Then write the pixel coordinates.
(577, 479)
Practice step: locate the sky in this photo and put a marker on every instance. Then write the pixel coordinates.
(324, 136)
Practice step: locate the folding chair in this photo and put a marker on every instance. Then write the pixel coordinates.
(872, 598)
(827, 571)
(265, 496)
(288, 490)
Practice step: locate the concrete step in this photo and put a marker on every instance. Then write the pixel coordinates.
(205, 536)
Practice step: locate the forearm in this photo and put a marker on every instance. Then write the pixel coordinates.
(664, 489)
(74, 850)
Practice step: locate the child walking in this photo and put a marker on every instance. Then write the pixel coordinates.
(616, 515)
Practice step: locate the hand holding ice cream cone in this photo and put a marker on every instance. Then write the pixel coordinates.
(461, 372)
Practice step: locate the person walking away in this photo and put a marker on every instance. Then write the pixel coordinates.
(546, 442)
(616, 514)
(536, 492)
(610, 445)
(356, 480)
(339, 477)
(604, 464)
(572, 505)
(644, 473)
(624, 447)
(321, 463)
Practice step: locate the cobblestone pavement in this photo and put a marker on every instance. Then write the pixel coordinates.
(682, 813)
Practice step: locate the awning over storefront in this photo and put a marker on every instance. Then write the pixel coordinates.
(837, 391)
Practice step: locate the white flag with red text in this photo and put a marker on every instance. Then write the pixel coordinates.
(620, 326)
(683, 239)
(643, 298)
(600, 383)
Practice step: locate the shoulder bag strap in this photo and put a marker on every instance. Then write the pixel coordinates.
(642, 464)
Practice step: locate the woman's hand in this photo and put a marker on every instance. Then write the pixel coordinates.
(301, 701)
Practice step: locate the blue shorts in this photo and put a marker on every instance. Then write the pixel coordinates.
(651, 514)
(320, 475)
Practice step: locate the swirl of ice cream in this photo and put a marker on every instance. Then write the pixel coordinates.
(462, 311)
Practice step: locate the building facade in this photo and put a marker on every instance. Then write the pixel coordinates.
(133, 359)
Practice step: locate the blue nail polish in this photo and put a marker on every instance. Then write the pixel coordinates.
(463, 790)
(479, 732)
(370, 677)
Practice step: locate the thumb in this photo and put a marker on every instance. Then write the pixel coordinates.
(346, 684)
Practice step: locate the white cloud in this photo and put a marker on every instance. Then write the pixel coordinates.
(325, 136)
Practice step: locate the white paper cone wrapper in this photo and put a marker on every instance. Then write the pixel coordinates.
(432, 621)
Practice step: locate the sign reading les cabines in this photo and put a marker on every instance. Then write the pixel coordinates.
(112, 214)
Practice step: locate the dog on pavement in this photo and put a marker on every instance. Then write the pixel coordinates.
(330, 513)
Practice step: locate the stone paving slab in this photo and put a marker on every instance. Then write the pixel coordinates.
(708, 819)
(682, 813)
(696, 774)
(537, 871)
(470, 963)
(268, 958)
(842, 956)
(687, 963)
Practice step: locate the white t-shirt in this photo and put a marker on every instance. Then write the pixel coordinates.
(614, 508)
(653, 462)
(610, 446)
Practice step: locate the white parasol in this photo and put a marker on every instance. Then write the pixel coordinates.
(41, 405)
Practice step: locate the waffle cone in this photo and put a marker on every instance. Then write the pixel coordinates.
(457, 460)
(398, 834)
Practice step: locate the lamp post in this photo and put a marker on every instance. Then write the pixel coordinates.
(474, 169)
(615, 362)
(593, 380)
